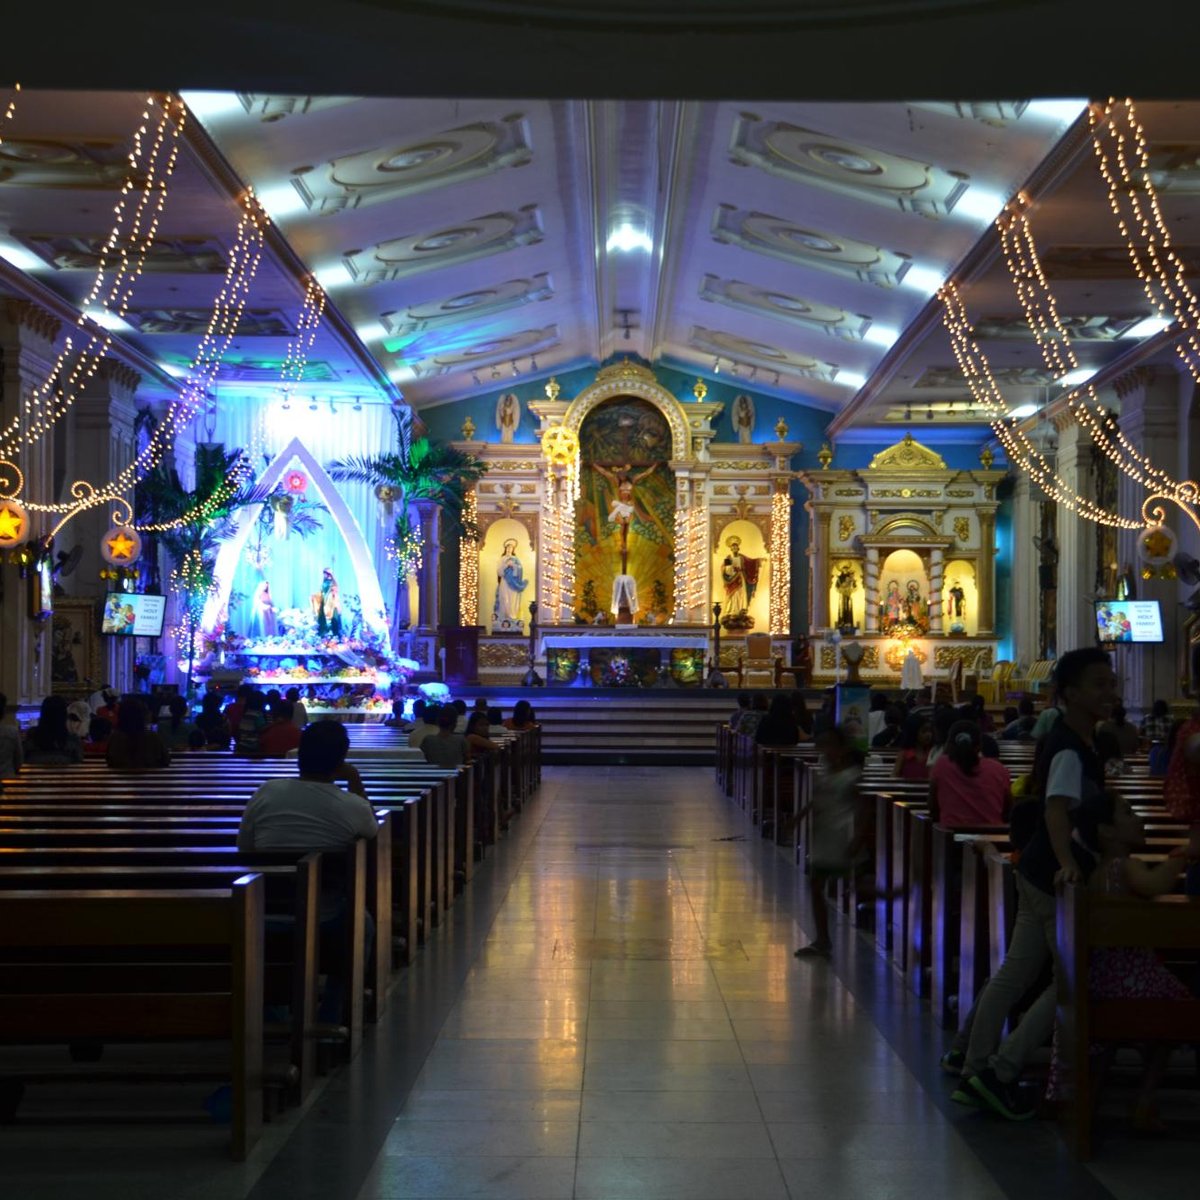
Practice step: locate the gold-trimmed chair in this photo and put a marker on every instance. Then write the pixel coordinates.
(758, 658)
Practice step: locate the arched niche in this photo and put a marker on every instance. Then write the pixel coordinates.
(499, 532)
(630, 379)
(753, 545)
(962, 572)
(903, 567)
(294, 454)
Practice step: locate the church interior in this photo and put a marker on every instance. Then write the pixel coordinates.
(656, 468)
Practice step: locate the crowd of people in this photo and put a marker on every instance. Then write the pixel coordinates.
(1066, 825)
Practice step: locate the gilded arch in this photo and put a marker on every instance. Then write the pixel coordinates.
(631, 379)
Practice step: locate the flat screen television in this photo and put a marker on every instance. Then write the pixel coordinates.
(133, 614)
(1127, 622)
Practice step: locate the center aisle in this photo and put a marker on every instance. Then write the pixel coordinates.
(635, 1026)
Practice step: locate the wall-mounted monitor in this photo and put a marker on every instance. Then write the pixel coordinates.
(133, 614)
(1128, 622)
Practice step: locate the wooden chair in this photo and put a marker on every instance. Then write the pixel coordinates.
(758, 658)
(992, 684)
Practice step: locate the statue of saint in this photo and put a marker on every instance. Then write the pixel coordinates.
(739, 573)
(958, 600)
(892, 603)
(508, 416)
(845, 583)
(327, 607)
(623, 506)
(743, 419)
(914, 605)
(510, 584)
(262, 612)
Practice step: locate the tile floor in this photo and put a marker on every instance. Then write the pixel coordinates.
(613, 1011)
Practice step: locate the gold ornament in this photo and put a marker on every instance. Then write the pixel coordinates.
(700, 390)
(468, 430)
(1148, 572)
(781, 429)
(986, 458)
(14, 523)
(560, 447)
(552, 388)
(825, 456)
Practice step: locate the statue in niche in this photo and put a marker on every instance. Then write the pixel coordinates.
(892, 603)
(915, 611)
(508, 416)
(743, 419)
(958, 600)
(739, 573)
(262, 612)
(327, 607)
(510, 587)
(845, 584)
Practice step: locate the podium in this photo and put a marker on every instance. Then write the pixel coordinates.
(461, 643)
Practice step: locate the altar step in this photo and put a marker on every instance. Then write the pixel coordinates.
(672, 727)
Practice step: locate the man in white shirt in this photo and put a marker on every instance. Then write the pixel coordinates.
(311, 812)
(426, 717)
(299, 712)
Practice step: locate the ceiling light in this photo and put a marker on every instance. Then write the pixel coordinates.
(923, 279)
(514, 368)
(108, 320)
(213, 106)
(281, 200)
(21, 258)
(881, 335)
(313, 405)
(1064, 111)
(1022, 411)
(776, 378)
(716, 366)
(981, 204)
(1148, 327)
(173, 369)
(533, 363)
(358, 404)
(1078, 376)
(495, 372)
(627, 238)
(372, 332)
(475, 376)
(333, 276)
(850, 379)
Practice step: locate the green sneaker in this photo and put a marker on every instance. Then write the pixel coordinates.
(1004, 1099)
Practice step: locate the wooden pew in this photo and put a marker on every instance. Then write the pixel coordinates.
(1087, 921)
(112, 1001)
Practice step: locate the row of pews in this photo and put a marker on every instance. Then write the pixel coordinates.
(940, 903)
(127, 914)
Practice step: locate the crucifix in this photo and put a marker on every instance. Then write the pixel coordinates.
(623, 507)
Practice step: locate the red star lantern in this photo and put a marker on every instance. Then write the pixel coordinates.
(121, 546)
(295, 482)
(14, 524)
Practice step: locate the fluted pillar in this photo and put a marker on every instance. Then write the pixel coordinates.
(936, 581)
(1026, 593)
(429, 576)
(1076, 543)
(871, 590)
(986, 581)
(818, 558)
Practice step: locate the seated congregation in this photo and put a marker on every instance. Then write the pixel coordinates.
(1033, 875)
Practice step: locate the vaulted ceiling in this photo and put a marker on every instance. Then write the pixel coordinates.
(462, 242)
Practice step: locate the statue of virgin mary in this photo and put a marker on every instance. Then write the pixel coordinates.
(510, 585)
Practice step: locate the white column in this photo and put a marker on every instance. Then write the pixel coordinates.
(936, 581)
(1026, 595)
(871, 590)
(1076, 544)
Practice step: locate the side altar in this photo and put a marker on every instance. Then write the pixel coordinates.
(625, 526)
(902, 560)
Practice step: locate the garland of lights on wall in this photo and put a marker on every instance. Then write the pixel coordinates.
(560, 449)
(131, 238)
(468, 563)
(781, 565)
(9, 109)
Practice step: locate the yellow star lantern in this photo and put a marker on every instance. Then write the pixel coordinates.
(14, 524)
(121, 546)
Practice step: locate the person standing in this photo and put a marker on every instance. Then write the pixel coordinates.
(11, 751)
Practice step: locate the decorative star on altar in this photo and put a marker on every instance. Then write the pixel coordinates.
(121, 546)
(12, 523)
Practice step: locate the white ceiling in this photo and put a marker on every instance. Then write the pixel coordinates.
(462, 240)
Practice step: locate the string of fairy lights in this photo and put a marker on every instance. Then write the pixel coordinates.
(779, 613)
(468, 564)
(9, 110)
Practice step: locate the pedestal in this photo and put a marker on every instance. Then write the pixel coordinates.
(461, 643)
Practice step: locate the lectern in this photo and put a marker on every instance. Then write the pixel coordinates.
(461, 643)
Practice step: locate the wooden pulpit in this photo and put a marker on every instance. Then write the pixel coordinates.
(461, 643)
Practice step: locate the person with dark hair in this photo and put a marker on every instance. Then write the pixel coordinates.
(477, 735)
(1121, 731)
(916, 745)
(132, 746)
(743, 707)
(99, 731)
(310, 812)
(212, 723)
(749, 723)
(801, 715)
(460, 708)
(176, 730)
(1068, 778)
(299, 711)
(834, 839)
(281, 734)
(249, 728)
(964, 787)
(982, 716)
(893, 725)
(823, 718)
(447, 747)
(11, 752)
(50, 742)
(426, 727)
(523, 717)
(495, 716)
(778, 727)
(876, 715)
(233, 714)
(108, 705)
(1157, 726)
(1019, 727)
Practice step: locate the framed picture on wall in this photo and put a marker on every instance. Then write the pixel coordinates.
(75, 650)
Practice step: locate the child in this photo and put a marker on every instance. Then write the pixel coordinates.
(1114, 831)
(834, 804)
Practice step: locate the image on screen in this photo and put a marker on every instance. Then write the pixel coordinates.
(128, 614)
(1128, 621)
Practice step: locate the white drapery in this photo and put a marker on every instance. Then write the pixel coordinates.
(624, 591)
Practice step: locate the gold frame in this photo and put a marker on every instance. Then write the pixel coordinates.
(79, 613)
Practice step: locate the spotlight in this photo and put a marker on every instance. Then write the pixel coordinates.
(514, 368)
(776, 378)
(717, 366)
(313, 405)
(358, 404)
(475, 376)
(495, 372)
(533, 363)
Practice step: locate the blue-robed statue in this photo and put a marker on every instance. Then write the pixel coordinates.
(327, 607)
(510, 584)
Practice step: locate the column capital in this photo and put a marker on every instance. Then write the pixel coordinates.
(25, 314)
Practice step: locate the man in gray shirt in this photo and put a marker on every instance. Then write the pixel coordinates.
(446, 748)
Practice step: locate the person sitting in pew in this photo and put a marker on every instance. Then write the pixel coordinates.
(132, 746)
(495, 718)
(11, 752)
(249, 728)
(749, 723)
(803, 718)
(893, 728)
(50, 742)
(964, 787)
(778, 727)
(234, 711)
(310, 812)
(99, 731)
(1121, 731)
(523, 717)
(426, 716)
(447, 747)
(916, 744)
(460, 711)
(299, 710)
(743, 707)
(211, 722)
(176, 729)
(281, 734)
(1114, 833)
(1020, 727)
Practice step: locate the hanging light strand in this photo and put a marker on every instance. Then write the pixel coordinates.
(468, 563)
(9, 109)
(781, 574)
(301, 344)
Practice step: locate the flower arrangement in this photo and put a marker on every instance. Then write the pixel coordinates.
(619, 672)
